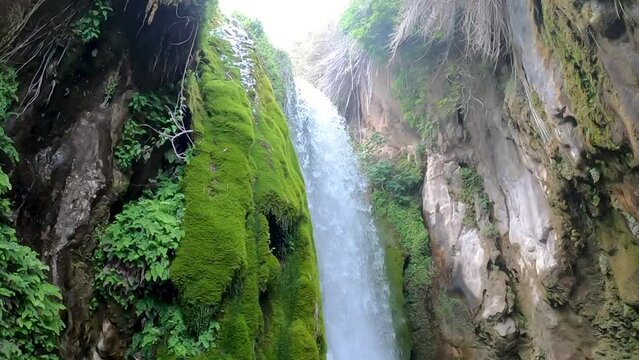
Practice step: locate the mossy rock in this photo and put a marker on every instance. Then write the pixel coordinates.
(617, 241)
(248, 248)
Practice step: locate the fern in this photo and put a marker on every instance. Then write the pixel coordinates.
(134, 251)
(29, 305)
(164, 324)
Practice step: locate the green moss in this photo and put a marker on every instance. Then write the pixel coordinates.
(276, 62)
(395, 258)
(218, 189)
(473, 191)
(584, 75)
(248, 252)
(406, 221)
(617, 240)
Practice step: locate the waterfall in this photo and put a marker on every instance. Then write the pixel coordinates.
(355, 291)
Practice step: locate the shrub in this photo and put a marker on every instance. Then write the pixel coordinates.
(134, 252)
(29, 305)
(401, 180)
(371, 23)
(164, 324)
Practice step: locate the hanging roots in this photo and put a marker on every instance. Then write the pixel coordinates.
(483, 24)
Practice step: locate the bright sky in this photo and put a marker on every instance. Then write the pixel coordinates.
(288, 21)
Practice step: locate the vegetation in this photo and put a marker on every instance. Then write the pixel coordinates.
(151, 126)
(584, 75)
(400, 179)
(134, 251)
(29, 306)
(473, 196)
(410, 89)
(247, 258)
(396, 206)
(370, 22)
(132, 269)
(8, 89)
(88, 27)
(406, 221)
(164, 327)
(276, 62)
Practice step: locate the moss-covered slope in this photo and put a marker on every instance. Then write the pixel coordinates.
(247, 259)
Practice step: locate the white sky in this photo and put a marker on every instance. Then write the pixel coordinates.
(288, 21)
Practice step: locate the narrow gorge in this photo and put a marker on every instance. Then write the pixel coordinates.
(409, 180)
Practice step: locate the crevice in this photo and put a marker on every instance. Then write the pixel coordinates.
(277, 237)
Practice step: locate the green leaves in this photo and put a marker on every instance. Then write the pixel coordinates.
(29, 306)
(88, 27)
(8, 89)
(164, 324)
(371, 23)
(149, 129)
(134, 251)
(400, 179)
(132, 260)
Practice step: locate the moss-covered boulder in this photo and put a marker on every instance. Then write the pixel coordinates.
(247, 259)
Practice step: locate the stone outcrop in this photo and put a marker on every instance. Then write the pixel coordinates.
(544, 251)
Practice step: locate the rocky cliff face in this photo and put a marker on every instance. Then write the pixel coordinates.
(529, 188)
(153, 257)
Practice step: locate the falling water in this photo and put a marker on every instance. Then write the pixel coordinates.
(355, 292)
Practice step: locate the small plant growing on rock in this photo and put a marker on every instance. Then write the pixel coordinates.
(151, 126)
(134, 251)
(88, 27)
(109, 89)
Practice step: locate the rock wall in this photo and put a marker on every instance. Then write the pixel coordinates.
(528, 194)
(220, 262)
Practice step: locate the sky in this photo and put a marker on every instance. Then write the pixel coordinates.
(288, 21)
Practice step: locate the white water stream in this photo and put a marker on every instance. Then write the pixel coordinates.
(355, 291)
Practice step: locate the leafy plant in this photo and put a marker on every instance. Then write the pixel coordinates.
(473, 193)
(8, 89)
(88, 27)
(134, 251)
(29, 305)
(409, 87)
(371, 23)
(164, 324)
(150, 128)
(133, 257)
(401, 179)
(130, 148)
